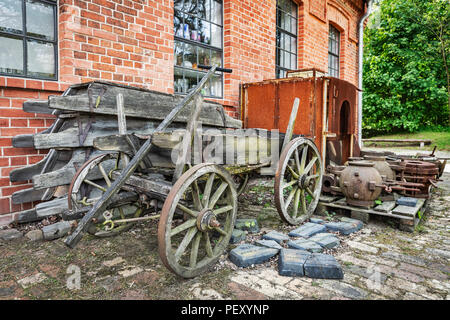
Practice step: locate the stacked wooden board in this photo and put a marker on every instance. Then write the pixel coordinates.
(85, 112)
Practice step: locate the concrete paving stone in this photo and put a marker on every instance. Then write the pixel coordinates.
(367, 273)
(307, 230)
(238, 236)
(250, 225)
(205, 293)
(305, 244)
(401, 274)
(275, 236)
(247, 254)
(404, 258)
(245, 293)
(316, 220)
(426, 272)
(265, 287)
(439, 252)
(325, 240)
(10, 234)
(344, 228)
(291, 262)
(310, 291)
(323, 266)
(273, 276)
(407, 201)
(362, 247)
(371, 260)
(344, 289)
(268, 244)
(31, 280)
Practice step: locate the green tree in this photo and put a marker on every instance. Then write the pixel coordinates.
(406, 72)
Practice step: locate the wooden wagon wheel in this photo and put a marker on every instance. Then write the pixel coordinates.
(88, 185)
(187, 247)
(298, 181)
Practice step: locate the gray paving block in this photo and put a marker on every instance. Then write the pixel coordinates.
(291, 262)
(307, 230)
(344, 228)
(305, 244)
(250, 225)
(323, 266)
(237, 236)
(326, 240)
(275, 236)
(386, 206)
(247, 254)
(10, 234)
(407, 201)
(268, 244)
(316, 220)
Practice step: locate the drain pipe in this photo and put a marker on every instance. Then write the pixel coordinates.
(360, 68)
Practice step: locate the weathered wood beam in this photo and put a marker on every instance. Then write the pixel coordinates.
(37, 106)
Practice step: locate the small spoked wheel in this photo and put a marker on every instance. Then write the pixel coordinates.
(88, 185)
(189, 245)
(298, 181)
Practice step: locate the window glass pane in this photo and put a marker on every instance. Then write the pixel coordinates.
(216, 36)
(216, 58)
(190, 56)
(178, 55)
(216, 12)
(178, 81)
(287, 43)
(178, 4)
(287, 60)
(216, 85)
(203, 9)
(205, 32)
(41, 59)
(293, 25)
(178, 26)
(40, 20)
(191, 77)
(293, 62)
(204, 56)
(189, 6)
(293, 45)
(11, 56)
(11, 16)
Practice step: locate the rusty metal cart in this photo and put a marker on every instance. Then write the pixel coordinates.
(198, 204)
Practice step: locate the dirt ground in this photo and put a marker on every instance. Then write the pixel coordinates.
(379, 262)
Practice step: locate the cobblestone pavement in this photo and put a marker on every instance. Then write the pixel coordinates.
(379, 262)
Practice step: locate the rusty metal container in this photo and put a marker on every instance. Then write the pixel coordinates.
(360, 182)
(382, 166)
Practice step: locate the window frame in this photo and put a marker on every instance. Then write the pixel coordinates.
(280, 30)
(183, 40)
(337, 53)
(24, 37)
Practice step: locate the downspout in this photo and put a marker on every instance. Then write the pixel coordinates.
(360, 68)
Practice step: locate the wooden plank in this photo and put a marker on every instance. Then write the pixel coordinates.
(408, 211)
(27, 216)
(399, 140)
(23, 141)
(291, 124)
(37, 106)
(54, 207)
(144, 106)
(28, 195)
(147, 184)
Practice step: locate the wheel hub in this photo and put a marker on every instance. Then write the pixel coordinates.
(207, 220)
(302, 181)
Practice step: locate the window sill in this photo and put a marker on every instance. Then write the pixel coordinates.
(35, 84)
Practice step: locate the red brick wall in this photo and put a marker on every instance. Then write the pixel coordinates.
(131, 42)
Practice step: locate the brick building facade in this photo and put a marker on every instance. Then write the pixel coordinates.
(135, 42)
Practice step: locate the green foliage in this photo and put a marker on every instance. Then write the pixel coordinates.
(405, 77)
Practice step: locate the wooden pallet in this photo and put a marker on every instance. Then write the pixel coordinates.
(408, 217)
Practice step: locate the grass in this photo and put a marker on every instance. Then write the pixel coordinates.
(440, 139)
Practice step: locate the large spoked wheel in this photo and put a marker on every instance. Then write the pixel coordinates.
(88, 185)
(298, 181)
(189, 246)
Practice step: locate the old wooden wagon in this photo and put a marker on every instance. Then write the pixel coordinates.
(136, 177)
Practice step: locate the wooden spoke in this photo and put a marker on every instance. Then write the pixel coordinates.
(185, 225)
(289, 184)
(314, 176)
(289, 198)
(194, 249)
(221, 231)
(294, 174)
(104, 174)
(187, 210)
(310, 192)
(185, 242)
(304, 154)
(296, 202)
(217, 195)
(94, 185)
(302, 196)
(222, 210)
(208, 247)
(310, 165)
(297, 161)
(207, 191)
(196, 196)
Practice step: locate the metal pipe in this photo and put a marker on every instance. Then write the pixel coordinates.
(360, 67)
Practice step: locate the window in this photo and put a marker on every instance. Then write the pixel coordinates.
(28, 39)
(198, 40)
(286, 42)
(334, 37)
